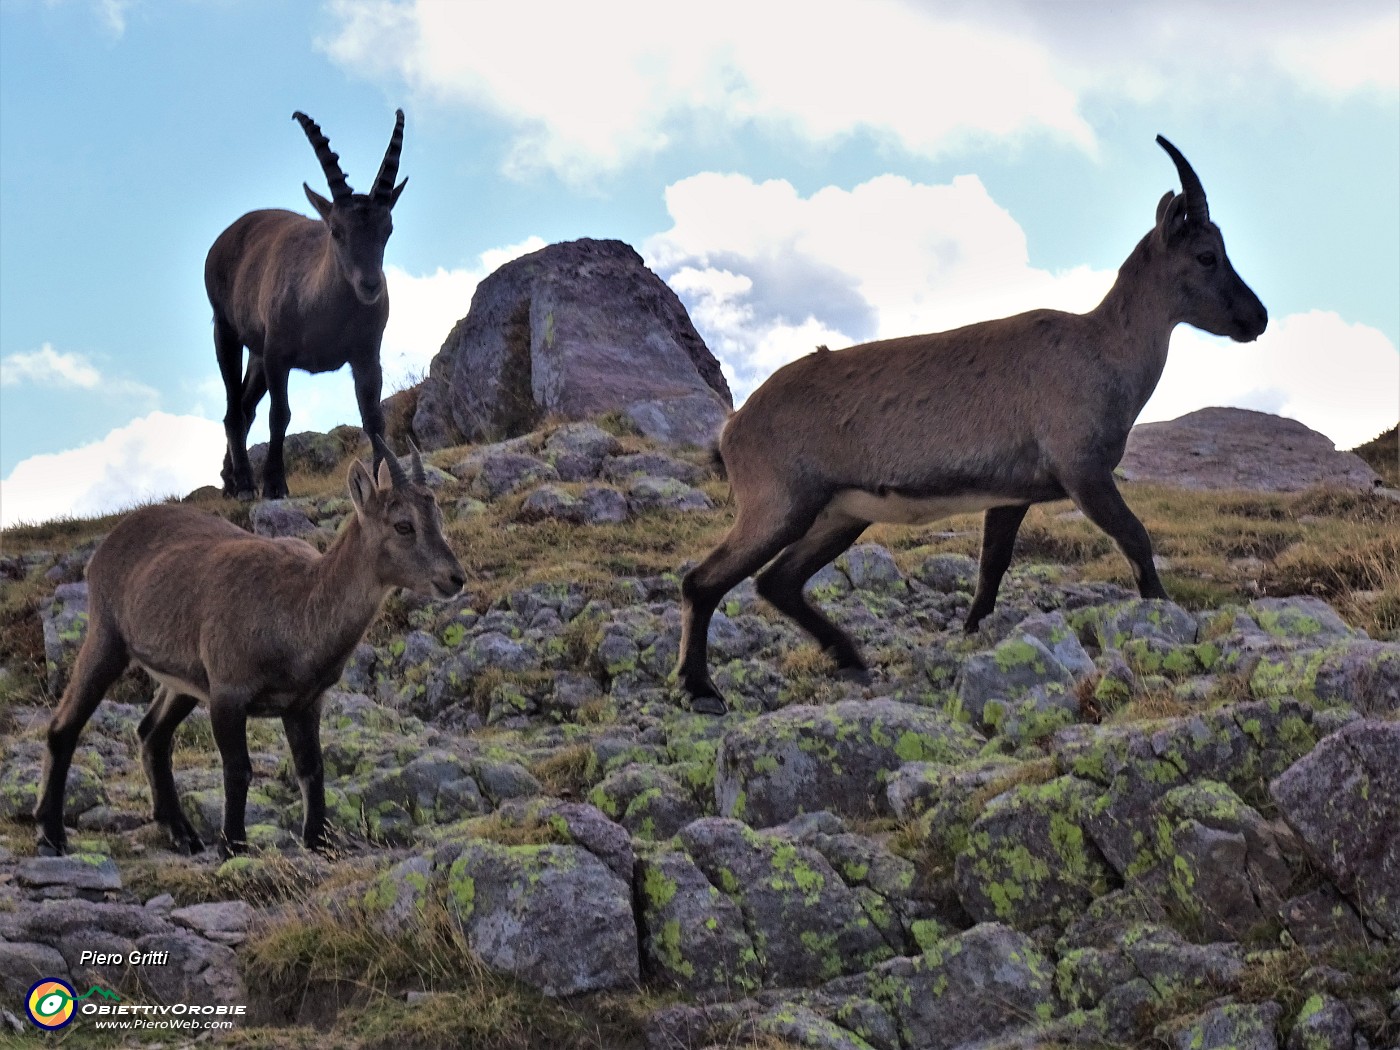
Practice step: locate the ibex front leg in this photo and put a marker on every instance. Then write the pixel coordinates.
(228, 715)
(279, 415)
(304, 737)
(1098, 497)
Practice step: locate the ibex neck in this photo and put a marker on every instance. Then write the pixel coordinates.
(1138, 310)
(346, 593)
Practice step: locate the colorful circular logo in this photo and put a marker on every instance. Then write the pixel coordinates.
(50, 1003)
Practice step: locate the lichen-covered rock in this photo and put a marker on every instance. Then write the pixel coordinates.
(693, 935)
(500, 473)
(1234, 1026)
(279, 517)
(64, 618)
(554, 917)
(79, 871)
(1224, 863)
(1019, 688)
(871, 567)
(1360, 674)
(948, 572)
(621, 469)
(647, 493)
(1323, 1023)
(577, 450)
(397, 900)
(835, 757)
(592, 505)
(645, 800)
(806, 924)
(694, 419)
(1028, 860)
(1343, 799)
(1140, 618)
(978, 984)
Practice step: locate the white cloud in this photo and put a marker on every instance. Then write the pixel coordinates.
(56, 369)
(767, 274)
(1341, 379)
(49, 367)
(822, 70)
(921, 78)
(152, 457)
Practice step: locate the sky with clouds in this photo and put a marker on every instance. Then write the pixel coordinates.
(799, 172)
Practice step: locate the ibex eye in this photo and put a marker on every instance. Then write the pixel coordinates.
(1206, 258)
(404, 528)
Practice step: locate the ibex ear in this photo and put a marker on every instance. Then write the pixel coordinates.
(318, 202)
(394, 197)
(1162, 205)
(361, 486)
(1171, 223)
(386, 477)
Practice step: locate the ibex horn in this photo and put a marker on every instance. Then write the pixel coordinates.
(1191, 186)
(389, 169)
(330, 162)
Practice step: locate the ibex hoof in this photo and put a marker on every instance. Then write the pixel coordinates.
(709, 704)
(857, 675)
(44, 848)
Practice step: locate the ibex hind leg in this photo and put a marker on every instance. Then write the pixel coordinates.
(228, 348)
(999, 528)
(254, 388)
(102, 658)
(781, 585)
(757, 535)
(157, 733)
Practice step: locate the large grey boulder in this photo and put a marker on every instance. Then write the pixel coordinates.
(1234, 448)
(572, 330)
(1343, 799)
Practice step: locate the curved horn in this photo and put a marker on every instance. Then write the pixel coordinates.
(396, 471)
(330, 162)
(389, 169)
(418, 475)
(1191, 187)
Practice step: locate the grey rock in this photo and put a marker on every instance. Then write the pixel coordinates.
(1324, 1023)
(1019, 688)
(275, 518)
(64, 618)
(81, 871)
(645, 493)
(1234, 1026)
(835, 757)
(948, 572)
(502, 473)
(196, 970)
(692, 935)
(593, 505)
(619, 469)
(577, 450)
(1343, 800)
(871, 567)
(694, 419)
(979, 984)
(224, 921)
(1234, 448)
(554, 917)
(21, 965)
(572, 330)
(806, 923)
(1028, 860)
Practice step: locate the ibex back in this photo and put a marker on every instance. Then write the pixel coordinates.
(250, 625)
(992, 417)
(301, 293)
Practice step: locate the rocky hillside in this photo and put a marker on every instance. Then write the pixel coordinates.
(1100, 822)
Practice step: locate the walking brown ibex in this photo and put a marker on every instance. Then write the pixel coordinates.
(301, 293)
(253, 626)
(991, 417)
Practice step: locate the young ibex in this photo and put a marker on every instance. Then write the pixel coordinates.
(995, 416)
(301, 293)
(254, 626)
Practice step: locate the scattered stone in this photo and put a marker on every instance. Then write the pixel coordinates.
(276, 518)
(646, 493)
(501, 473)
(79, 871)
(1234, 1026)
(593, 505)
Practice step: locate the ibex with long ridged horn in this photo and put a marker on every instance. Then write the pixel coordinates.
(252, 626)
(994, 416)
(301, 293)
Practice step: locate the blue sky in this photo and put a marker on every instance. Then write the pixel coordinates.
(800, 173)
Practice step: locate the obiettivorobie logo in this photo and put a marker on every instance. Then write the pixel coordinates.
(52, 1003)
